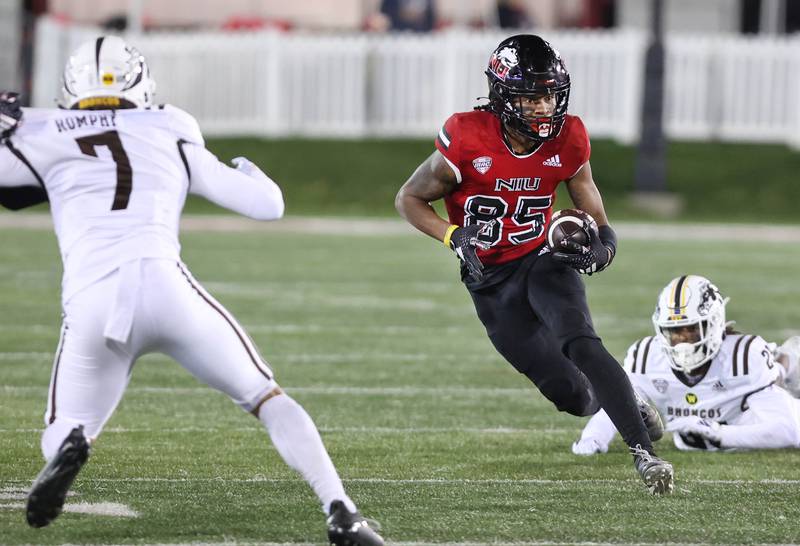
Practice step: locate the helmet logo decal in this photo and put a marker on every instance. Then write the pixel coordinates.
(503, 61)
(709, 297)
(691, 398)
(482, 164)
(108, 78)
(661, 385)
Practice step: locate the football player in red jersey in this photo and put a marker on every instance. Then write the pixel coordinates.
(497, 169)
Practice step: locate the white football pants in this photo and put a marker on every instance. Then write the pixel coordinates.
(146, 306)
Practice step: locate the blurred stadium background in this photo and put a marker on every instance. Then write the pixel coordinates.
(366, 324)
(341, 77)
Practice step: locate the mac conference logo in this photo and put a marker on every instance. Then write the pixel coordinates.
(482, 164)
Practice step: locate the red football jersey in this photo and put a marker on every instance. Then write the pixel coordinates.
(519, 191)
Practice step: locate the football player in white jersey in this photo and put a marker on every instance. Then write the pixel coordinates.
(717, 389)
(116, 170)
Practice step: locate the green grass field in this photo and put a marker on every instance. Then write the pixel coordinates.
(433, 433)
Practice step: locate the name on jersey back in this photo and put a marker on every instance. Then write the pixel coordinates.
(94, 119)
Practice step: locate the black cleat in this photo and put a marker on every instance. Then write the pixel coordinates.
(656, 473)
(49, 490)
(347, 528)
(651, 417)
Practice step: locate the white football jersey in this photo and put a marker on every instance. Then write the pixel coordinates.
(744, 365)
(116, 180)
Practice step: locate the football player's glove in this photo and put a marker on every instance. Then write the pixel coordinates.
(463, 241)
(701, 433)
(10, 113)
(245, 166)
(591, 258)
(588, 446)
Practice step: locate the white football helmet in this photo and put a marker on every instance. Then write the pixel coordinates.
(690, 301)
(106, 73)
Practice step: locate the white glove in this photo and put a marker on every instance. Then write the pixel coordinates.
(705, 429)
(245, 166)
(790, 353)
(588, 446)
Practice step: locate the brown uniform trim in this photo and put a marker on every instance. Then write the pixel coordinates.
(182, 153)
(745, 362)
(646, 354)
(27, 163)
(242, 337)
(271, 394)
(635, 355)
(55, 375)
(745, 406)
(736, 356)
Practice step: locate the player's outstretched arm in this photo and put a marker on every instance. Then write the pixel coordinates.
(19, 187)
(432, 180)
(244, 189)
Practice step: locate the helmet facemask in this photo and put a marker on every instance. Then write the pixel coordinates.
(689, 322)
(508, 104)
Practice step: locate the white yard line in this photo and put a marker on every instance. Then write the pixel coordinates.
(426, 481)
(356, 391)
(322, 358)
(112, 509)
(393, 543)
(391, 226)
(363, 430)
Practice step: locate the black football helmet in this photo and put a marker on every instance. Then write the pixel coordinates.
(525, 65)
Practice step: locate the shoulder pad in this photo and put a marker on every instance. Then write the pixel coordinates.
(183, 124)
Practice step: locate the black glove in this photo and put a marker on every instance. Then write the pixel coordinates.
(10, 113)
(592, 258)
(464, 241)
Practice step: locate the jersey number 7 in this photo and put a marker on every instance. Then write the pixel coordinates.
(110, 139)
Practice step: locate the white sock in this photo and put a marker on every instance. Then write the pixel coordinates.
(298, 442)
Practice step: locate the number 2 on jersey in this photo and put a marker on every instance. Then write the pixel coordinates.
(110, 139)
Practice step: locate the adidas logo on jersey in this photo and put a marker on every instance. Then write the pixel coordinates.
(718, 386)
(554, 161)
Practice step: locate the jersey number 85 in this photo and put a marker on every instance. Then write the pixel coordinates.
(481, 209)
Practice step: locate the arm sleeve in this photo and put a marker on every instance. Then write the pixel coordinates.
(772, 422)
(600, 429)
(254, 195)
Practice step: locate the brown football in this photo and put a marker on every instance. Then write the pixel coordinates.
(569, 224)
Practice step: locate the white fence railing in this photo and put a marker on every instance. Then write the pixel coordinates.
(275, 84)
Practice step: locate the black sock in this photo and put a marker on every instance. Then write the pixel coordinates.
(612, 388)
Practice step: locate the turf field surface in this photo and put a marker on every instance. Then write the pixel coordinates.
(433, 434)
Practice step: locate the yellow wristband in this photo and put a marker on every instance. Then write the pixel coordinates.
(448, 234)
